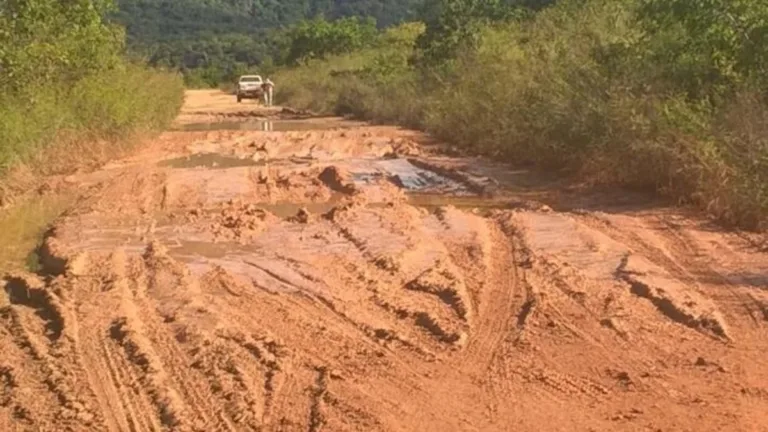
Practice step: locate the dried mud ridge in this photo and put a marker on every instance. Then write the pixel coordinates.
(320, 297)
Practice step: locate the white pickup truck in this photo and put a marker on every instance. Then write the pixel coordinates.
(250, 87)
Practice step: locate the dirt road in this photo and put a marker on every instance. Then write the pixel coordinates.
(253, 271)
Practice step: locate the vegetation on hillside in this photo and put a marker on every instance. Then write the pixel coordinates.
(64, 83)
(662, 94)
(213, 41)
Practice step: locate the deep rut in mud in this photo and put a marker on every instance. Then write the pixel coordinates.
(352, 278)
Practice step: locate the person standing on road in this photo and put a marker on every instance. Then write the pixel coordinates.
(267, 87)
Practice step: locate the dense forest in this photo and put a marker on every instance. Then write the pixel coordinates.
(215, 40)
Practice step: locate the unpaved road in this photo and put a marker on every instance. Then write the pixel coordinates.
(339, 277)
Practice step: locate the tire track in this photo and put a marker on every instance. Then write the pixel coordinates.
(680, 263)
(231, 380)
(135, 331)
(128, 332)
(268, 354)
(135, 403)
(124, 404)
(432, 284)
(318, 394)
(22, 386)
(192, 398)
(498, 305)
(53, 351)
(737, 304)
(314, 312)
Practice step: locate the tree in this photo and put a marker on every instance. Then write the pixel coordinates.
(318, 38)
(451, 24)
(707, 44)
(55, 39)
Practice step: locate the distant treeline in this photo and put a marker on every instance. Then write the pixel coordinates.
(214, 41)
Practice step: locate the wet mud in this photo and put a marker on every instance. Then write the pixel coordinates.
(268, 125)
(358, 279)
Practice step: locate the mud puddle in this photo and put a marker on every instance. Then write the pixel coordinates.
(288, 209)
(433, 202)
(267, 125)
(428, 201)
(209, 160)
(249, 299)
(195, 240)
(405, 175)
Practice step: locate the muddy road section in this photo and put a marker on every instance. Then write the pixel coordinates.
(262, 272)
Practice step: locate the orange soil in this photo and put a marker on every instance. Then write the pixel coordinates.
(316, 280)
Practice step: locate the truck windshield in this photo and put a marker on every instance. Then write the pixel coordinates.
(250, 79)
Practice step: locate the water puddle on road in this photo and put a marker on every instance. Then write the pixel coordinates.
(267, 125)
(201, 254)
(406, 175)
(288, 209)
(188, 249)
(209, 160)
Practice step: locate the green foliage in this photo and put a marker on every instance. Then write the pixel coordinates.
(452, 24)
(375, 83)
(542, 96)
(206, 39)
(707, 47)
(107, 105)
(659, 94)
(51, 39)
(319, 38)
(151, 21)
(63, 81)
(583, 87)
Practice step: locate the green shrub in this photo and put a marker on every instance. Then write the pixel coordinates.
(375, 83)
(63, 80)
(656, 94)
(102, 106)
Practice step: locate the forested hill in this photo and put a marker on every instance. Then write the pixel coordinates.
(214, 40)
(150, 21)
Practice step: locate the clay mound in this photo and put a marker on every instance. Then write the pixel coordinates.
(402, 147)
(303, 216)
(338, 179)
(671, 297)
(293, 113)
(240, 221)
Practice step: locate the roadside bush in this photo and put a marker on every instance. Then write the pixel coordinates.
(655, 94)
(64, 82)
(109, 106)
(375, 83)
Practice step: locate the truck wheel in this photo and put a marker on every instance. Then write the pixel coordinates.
(239, 98)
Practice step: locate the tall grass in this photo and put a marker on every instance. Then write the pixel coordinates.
(575, 89)
(51, 128)
(374, 83)
(23, 227)
(69, 98)
(103, 107)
